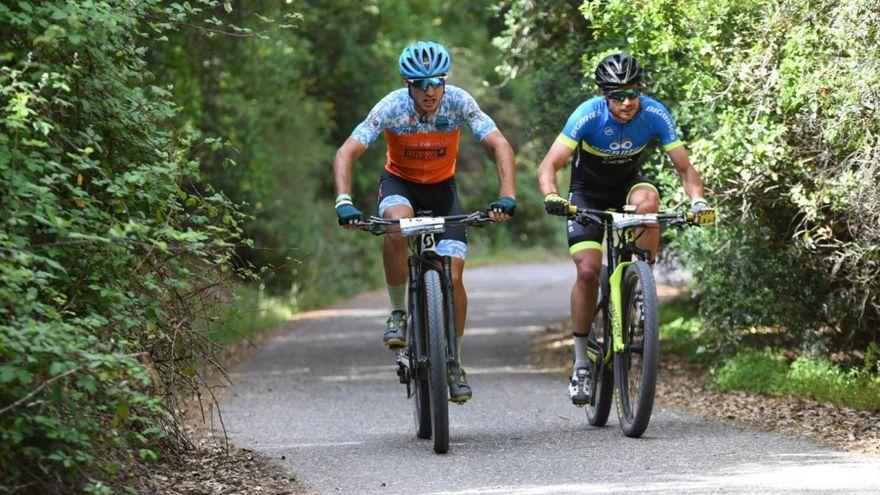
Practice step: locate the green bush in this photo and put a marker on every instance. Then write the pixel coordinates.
(759, 372)
(767, 372)
(108, 243)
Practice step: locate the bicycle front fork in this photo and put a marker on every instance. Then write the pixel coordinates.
(451, 348)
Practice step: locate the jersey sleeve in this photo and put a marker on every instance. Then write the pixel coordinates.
(577, 123)
(663, 126)
(479, 123)
(377, 121)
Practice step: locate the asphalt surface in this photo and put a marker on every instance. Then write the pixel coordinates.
(324, 402)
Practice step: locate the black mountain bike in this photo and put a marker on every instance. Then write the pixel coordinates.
(430, 333)
(623, 344)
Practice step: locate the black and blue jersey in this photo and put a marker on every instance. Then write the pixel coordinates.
(609, 153)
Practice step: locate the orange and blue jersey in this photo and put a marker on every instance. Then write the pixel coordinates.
(423, 150)
(609, 153)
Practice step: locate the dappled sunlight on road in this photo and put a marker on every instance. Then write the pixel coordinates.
(482, 331)
(340, 313)
(783, 473)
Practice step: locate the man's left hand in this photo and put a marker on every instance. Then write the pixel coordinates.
(502, 208)
(701, 213)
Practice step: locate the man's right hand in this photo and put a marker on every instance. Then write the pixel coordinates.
(555, 204)
(346, 211)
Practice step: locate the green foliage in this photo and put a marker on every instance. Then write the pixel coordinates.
(775, 102)
(682, 331)
(285, 100)
(767, 372)
(759, 372)
(106, 242)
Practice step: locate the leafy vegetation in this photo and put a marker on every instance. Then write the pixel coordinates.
(768, 372)
(109, 241)
(775, 99)
(152, 151)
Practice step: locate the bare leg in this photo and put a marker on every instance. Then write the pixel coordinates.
(394, 248)
(646, 200)
(583, 294)
(461, 301)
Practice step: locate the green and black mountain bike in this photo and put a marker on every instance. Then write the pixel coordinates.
(623, 344)
(430, 332)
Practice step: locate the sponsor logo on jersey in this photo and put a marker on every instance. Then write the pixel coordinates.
(581, 122)
(424, 154)
(609, 131)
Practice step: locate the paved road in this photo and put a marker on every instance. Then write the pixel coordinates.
(325, 399)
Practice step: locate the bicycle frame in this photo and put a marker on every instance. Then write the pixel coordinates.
(620, 247)
(424, 257)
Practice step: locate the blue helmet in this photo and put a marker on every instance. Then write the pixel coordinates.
(424, 59)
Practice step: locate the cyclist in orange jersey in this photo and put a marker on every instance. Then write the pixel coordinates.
(422, 125)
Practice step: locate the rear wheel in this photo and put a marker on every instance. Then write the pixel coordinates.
(437, 381)
(601, 375)
(635, 369)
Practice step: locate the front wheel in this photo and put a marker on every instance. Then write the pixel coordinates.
(601, 375)
(436, 339)
(635, 368)
(421, 396)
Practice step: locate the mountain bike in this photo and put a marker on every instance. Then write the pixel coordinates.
(430, 332)
(623, 343)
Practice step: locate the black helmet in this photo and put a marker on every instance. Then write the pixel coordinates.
(618, 70)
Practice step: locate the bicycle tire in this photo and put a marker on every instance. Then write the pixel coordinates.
(635, 369)
(436, 343)
(421, 397)
(601, 373)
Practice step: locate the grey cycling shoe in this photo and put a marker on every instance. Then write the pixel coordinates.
(395, 330)
(577, 389)
(459, 390)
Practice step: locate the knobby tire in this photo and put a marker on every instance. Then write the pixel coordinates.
(421, 396)
(436, 343)
(635, 369)
(601, 374)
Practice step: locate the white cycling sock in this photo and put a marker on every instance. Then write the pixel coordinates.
(580, 351)
(397, 296)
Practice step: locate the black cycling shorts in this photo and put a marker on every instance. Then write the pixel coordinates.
(441, 199)
(610, 198)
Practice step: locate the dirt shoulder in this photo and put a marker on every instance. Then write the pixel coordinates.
(212, 465)
(682, 385)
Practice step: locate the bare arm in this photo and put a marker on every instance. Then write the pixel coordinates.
(690, 178)
(503, 153)
(556, 158)
(345, 157)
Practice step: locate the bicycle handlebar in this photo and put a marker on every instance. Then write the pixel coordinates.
(379, 225)
(622, 220)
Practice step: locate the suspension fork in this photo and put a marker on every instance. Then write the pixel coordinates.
(416, 308)
(449, 301)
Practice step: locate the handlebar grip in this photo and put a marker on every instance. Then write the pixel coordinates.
(690, 217)
(572, 209)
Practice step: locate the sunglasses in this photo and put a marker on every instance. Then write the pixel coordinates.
(426, 82)
(623, 94)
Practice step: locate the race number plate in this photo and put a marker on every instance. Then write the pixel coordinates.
(624, 220)
(422, 225)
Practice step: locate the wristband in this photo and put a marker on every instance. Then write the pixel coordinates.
(695, 201)
(343, 199)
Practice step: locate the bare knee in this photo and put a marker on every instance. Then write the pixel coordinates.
(646, 200)
(588, 273)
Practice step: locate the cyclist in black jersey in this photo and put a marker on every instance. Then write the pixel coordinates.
(609, 137)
